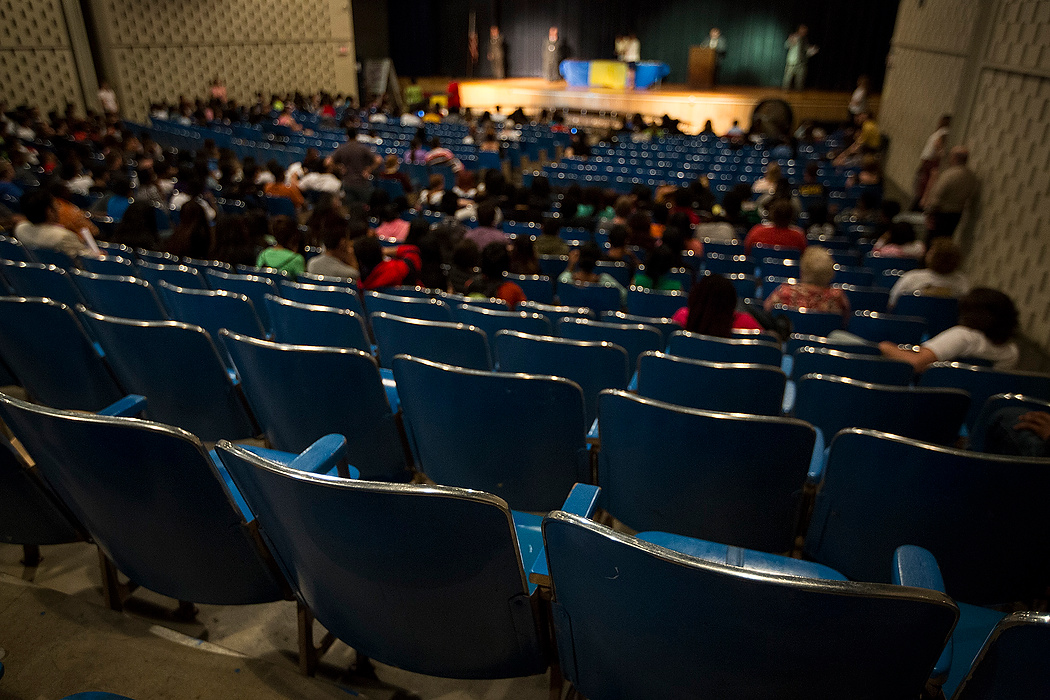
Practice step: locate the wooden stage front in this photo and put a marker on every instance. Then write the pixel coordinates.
(691, 107)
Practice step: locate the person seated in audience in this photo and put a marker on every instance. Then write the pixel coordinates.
(431, 197)
(416, 153)
(338, 258)
(781, 192)
(712, 309)
(768, 182)
(1021, 433)
(870, 173)
(657, 266)
(284, 254)
(818, 224)
(550, 243)
(618, 250)
(138, 228)
(114, 204)
(466, 186)
(280, 188)
(490, 283)
(233, 240)
(466, 257)
(377, 271)
(900, 242)
(486, 232)
(439, 155)
(70, 216)
(391, 171)
(813, 291)
(988, 321)
(193, 236)
(940, 277)
(523, 257)
(42, 230)
(318, 177)
(8, 187)
(779, 231)
(640, 230)
(391, 225)
(811, 185)
(582, 262)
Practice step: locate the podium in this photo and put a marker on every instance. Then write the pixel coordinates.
(702, 63)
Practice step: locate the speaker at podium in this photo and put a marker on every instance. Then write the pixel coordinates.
(703, 61)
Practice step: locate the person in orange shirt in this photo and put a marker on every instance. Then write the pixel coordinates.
(281, 188)
(70, 216)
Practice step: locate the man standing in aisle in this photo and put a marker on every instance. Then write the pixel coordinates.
(497, 54)
(552, 56)
(950, 192)
(799, 51)
(717, 42)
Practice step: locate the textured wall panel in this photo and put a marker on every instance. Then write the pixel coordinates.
(36, 60)
(937, 25)
(1021, 37)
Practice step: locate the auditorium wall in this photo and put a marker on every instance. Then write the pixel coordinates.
(160, 49)
(988, 63)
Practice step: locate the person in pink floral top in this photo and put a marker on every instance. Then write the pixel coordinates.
(813, 290)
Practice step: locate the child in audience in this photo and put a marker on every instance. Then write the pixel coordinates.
(712, 309)
(549, 242)
(618, 250)
(284, 254)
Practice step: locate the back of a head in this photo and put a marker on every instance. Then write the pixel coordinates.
(660, 261)
(712, 303)
(334, 230)
(590, 253)
(36, 205)
(286, 231)
(617, 236)
(369, 253)
(623, 207)
(989, 311)
(466, 255)
(417, 229)
(120, 184)
(781, 213)
(639, 223)
(817, 266)
(495, 260)
(773, 172)
(551, 226)
(674, 240)
(486, 214)
(944, 256)
(277, 170)
(818, 213)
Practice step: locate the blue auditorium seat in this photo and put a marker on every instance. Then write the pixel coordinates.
(12, 249)
(34, 279)
(254, 287)
(800, 340)
(525, 443)
(810, 322)
(277, 276)
(452, 343)
(108, 265)
(876, 327)
(553, 312)
(492, 321)
(940, 313)
(712, 386)
(644, 302)
(338, 296)
(634, 338)
(408, 307)
(665, 325)
(48, 256)
(300, 394)
(866, 298)
(592, 296)
(984, 382)
(212, 310)
(880, 263)
(124, 297)
(309, 324)
(174, 274)
(536, 287)
(735, 263)
(696, 346)
(863, 368)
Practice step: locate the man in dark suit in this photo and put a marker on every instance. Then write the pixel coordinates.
(716, 41)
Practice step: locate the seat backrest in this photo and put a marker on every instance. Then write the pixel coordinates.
(723, 477)
(592, 296)
(12, 249)
(644, 302)
(108, 265)
(178, 368)
(213, 310)
(796, 341)
(709, 348)
(809, 322)
(867, 298)
(536, 287)
(47, 348)
(452, 343)
(372, 553)
(339, 296)
(1011, 663)
(591, 364)
(302, 393)
(33, 279)
(940, 313)
(29, 512)
(152, 500)
(833, 403)
(492, 321)
(982, 516)
(408, 307)
(308, 324)
(712, 386)
(666, 326)
(529, 453)
(634, 338)
(49, 256)
(553, 313)
(878, 327)
(255, 287)
(750, 634)
(863, 368)
(123, 297)
(176, 275)
(984, 382)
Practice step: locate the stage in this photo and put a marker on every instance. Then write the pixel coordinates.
(691, 107)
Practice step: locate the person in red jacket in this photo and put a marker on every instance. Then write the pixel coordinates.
(778, 231)
(378, 272)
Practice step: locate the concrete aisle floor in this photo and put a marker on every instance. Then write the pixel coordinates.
(103, 653)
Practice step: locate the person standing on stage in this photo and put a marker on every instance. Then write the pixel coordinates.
(552, 56)
(497, 54)
(716, 41)
(799, 51)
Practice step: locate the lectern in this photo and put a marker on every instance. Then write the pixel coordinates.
(702, 62)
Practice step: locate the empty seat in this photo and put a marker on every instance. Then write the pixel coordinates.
(864, 368)
(212, 310)
(339, 296)
(643, 302)
(729, 478)
(174, 274)
(492, 321)
(530, 452)
(712, 386)
(30, 514)
(33, 279)
(49, 256)
(309, 324)
(592, 296)
(553, 313)
(697, 346)
(254, 287)
(878, 327)
(940, 313)
(408, 307)
(108, 265)
(666, 326)
(12, 249)
(800, 340)
(634, 338)
(735, 263)
(536, 287)
(452, 343)
(984, 382)
(810, 322)
(124, 297)
(866, 298)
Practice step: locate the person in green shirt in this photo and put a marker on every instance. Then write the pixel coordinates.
(659, 263)
(284, 255)
(413, 95)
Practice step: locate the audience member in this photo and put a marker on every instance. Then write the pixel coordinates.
(657, 266)
(41, 229)
(338, 259)
(949, 194)
(900, 242)
(486, 232)
(523, 257)
(582, 262)
(391, 171)
(284, 254)
(192, 237)
(280, 188)
(779, 231)
(712, 309)
(932, 155)
(138, 228)
(813, 291)
(465, 260)
(940, 277)
(355, 162)
(377, 272)
(549, 242)
(490, 283)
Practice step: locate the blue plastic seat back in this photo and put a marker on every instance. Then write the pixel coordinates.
(308, 324)
(799, 340)
(863, 368)
(867, 298)
(666, 326)
(642, 302)
(176, 275)
(325, 281)
(492, 321)
(708, 348)
(536, 287)
(408, 307)
(743, 634)
(277, 276)
(553, 313)
(712, 386)
(441, 564)
(878, 327)
(982, 516)
(254, 287)
(854, 276)
(40, 280)
(834, 403)
(153, 501)
(984, 382)
(723, 477)
(592, 296)
(634, 338)
(49, 351)
(1011, 664)
(29, 512)
(123, 297)
(617, 269)
(810, 322)
(451, 343)
(879, 264)
(339, 296)
(280, 206)
(746, 286)
(529, 452)
(155, 257)
(12, 249)
(48, 256)
(116, 265)
(595, 366)
(734, 263)
(178, 368)
(212, 310)
(760, 251)
(553, 265)
(940, 313)
(302, 393)
(778, 267)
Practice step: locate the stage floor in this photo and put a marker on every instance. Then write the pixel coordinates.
(691, 107)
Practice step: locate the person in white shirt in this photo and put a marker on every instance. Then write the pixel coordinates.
(932, 154)
(42, 229)
(632, 49)
(108, 98)
(988, 320)
(321, 180)
(940, 277)
(858, 102)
